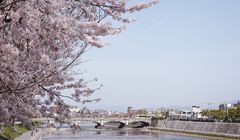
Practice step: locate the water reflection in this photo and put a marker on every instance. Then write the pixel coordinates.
(112, 135)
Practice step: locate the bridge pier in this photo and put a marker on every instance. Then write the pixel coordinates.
(126, 122)
(154, 122)
(102, 122)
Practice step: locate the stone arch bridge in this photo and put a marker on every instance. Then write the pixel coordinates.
(132, 122)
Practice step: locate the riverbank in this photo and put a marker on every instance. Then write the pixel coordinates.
(215, 136)
(216, 130)
(10, 132)
(35, 135)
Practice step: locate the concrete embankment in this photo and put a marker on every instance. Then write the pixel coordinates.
(231, 130)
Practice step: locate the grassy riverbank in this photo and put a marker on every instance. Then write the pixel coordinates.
(8, 133)
(19, 129)
(216, 136)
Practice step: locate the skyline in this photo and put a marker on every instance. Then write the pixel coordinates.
(178, 53)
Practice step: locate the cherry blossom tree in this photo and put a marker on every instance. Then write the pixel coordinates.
(40, 43)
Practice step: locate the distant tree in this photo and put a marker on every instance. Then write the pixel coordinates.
(215, 114)
(228, 115)
(41, 41)
(234, 114)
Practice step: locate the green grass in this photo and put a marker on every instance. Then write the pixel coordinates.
(20, 129)
(9, 134)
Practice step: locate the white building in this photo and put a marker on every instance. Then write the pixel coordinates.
(186, 113)
(196, 112)
(74, 111)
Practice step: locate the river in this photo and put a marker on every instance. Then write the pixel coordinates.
(113, 135)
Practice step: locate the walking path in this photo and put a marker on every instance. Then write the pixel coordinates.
(32, 135)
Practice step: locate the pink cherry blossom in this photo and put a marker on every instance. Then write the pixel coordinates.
(40, 43)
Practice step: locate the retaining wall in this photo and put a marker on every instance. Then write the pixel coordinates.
(208, 127)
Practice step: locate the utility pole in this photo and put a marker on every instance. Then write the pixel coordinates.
(227, 115)
(209, 104)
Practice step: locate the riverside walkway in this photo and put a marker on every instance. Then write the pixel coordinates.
(32, 135)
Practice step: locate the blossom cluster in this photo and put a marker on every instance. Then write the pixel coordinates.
(41, 41)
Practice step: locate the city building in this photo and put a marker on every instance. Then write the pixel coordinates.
(225, 106)
(185, 114)
(74, 111)
(196, 112)
(129, 112)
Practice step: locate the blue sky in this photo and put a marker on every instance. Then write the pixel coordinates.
(178, 53)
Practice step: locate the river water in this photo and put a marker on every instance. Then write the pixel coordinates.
(113, 135)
